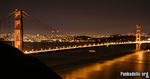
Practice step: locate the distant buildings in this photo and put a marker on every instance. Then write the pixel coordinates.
(65, 38)
(38, 38)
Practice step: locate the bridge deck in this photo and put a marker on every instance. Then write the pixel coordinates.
(84, 46)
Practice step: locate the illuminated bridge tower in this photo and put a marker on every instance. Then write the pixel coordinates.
(18, 29)
(138, 37)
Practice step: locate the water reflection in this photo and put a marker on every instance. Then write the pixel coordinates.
(82, 72)
(110, 69)
(138, 46)
(140, 61)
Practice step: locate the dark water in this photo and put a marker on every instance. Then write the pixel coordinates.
(111, 69)
(105, 63)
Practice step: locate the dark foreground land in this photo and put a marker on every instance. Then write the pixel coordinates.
(17, 65)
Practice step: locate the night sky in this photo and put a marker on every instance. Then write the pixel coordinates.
(86, 16)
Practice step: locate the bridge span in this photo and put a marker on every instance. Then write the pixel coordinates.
(82, 46)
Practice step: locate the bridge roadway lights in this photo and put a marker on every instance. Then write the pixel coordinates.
(94, 44)
(57, 48)
(74, 47)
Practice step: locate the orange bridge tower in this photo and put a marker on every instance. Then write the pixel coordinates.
(18, 29)
(138, 37)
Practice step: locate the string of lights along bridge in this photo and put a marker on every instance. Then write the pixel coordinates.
(19, 32)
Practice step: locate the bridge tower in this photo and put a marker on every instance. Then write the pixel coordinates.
(18, 29)
(138, 37)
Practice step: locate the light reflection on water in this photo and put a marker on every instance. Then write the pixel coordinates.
(136, 62)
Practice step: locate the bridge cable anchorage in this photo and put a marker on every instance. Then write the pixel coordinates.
(37, 21)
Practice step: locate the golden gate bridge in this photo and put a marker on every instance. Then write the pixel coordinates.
(19, 32)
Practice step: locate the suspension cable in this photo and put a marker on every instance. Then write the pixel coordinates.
(40, 22)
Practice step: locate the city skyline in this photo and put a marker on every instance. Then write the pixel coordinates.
(86, 17)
